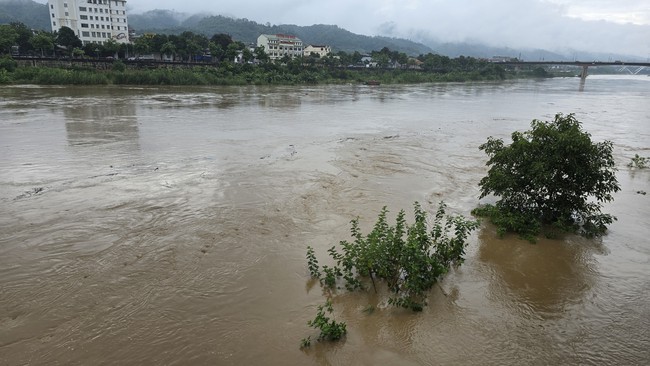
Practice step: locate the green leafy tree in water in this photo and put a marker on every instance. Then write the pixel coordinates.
(330, 330)
(408, 259)
(638, 162)
(553, 176)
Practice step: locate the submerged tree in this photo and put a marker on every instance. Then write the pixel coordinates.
(408, 259)
(551, 176)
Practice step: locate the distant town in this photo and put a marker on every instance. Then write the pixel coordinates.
(95, 34)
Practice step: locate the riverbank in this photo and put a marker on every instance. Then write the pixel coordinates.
(120, 73)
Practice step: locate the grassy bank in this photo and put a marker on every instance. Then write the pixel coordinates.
(236, 74)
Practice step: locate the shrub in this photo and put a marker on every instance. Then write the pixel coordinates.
(550, 176)
(409, 259)
(638, 162)
(330, 330)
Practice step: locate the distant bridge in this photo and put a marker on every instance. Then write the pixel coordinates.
(585, 65)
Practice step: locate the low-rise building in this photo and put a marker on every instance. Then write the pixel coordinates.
(320, 50)
(277, 46)
(93, 21)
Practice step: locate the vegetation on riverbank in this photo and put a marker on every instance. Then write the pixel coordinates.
(194, 59)
(228, 73)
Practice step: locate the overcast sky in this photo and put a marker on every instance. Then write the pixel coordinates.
(608, 26)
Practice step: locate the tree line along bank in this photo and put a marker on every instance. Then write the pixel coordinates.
(218, 60)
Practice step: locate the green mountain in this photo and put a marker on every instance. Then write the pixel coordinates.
(28, 12)
(164, 21)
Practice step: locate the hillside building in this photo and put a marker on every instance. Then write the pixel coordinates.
(277, 46)
(320, 50)
(93, 21)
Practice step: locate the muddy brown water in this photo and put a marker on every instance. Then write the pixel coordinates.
(169, 226)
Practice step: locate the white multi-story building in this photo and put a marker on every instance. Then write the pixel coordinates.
(320, 50)
(277, 46)
(93, 21)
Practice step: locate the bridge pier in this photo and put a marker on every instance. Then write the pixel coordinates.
(584, 73)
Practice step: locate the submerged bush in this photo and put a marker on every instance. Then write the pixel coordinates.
(330, 330)
(408, 259)
(552, 176)
(638, 162)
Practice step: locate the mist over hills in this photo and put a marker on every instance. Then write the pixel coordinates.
(340, 39)
(247, 31)
(35, 15)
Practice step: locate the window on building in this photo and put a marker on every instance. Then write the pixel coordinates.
(83, 17)
(82, 8)
(51, 6)
(84, 25)
(52, 15)
(85, 34)
(66, 14)
(93, 34)
(65, 5)
(54, 24)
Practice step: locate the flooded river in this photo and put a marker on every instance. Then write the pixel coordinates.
(168, 226)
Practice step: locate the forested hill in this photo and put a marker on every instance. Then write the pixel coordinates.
(163, 21)
(28, 12)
